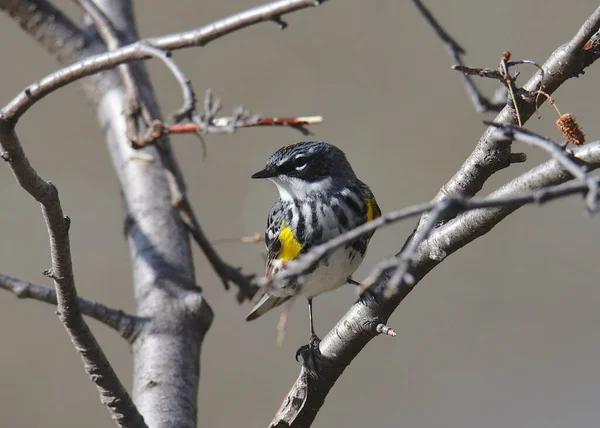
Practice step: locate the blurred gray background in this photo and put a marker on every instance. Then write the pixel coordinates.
(517, 348)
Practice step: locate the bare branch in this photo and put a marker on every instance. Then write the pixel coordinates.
(403, 261)
(199, 37)
(160, 251)
(48, 25)
(299, 123)
(361, 323)
(109, 35)
(491, 155)
(126, 324)
(557, 152)
(490, 73)
(480, 102)
(112, 393)
(296, 269)
(189, 97)
(205, 121)
(227, 273)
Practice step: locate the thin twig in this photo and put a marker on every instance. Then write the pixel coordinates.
(512, 132)
(109, 35)
(227, 273)
(404, 259)
(126, 324)
(557, 152)
(490, 73)
(298, 123)
(246, 286)
(189, 97)
(481, 103)
(509, 82)
(205, 121)
(112, 393)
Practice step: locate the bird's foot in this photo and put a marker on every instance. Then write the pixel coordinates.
(310, 354)
(352, 281)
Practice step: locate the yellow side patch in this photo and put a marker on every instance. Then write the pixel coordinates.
(370, 209)
(290, 246)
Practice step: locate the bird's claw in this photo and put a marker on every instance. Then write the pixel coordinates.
(310, 354)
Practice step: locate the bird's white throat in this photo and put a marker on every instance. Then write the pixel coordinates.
(291, 188)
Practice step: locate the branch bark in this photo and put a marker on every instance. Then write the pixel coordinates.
(359, 325)
(163, 270)
(93, 64)
(491, 155)
(176, 314)
(126, 324)
(49, 26)
(112, 393)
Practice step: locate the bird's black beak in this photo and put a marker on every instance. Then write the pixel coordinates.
(265, 173)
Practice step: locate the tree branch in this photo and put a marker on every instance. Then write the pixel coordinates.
(299, 123)
(227, 273)
(296, 269)
(164, 279)
(49, 26)
(112, 393)
(480, 102)
(557, 152)
(126, 324)
(97, 63)
(144, 50)
(110, 37)
(360, 324)
(491, 155)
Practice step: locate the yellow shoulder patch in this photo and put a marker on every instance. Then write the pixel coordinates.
(371, 209)
(290, 246)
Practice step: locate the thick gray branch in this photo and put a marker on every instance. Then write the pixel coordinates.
(163, 269)
(112, 392)
(126, 324)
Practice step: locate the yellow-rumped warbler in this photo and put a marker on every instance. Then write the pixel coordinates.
(320, 197)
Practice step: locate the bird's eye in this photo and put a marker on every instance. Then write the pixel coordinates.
(299, 162)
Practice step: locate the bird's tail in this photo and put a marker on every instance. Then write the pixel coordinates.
(264, 304)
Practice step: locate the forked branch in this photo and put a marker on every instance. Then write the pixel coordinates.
(360, 324)
(199, 37)
(445, 227)
(112, 393)
(126, 324)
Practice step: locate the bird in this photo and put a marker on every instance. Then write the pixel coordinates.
(320, 197)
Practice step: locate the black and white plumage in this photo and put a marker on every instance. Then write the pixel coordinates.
(320, 197)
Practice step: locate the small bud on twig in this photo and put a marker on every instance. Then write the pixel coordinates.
(384, 329)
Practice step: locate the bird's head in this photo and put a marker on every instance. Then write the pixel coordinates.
(304, 169)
